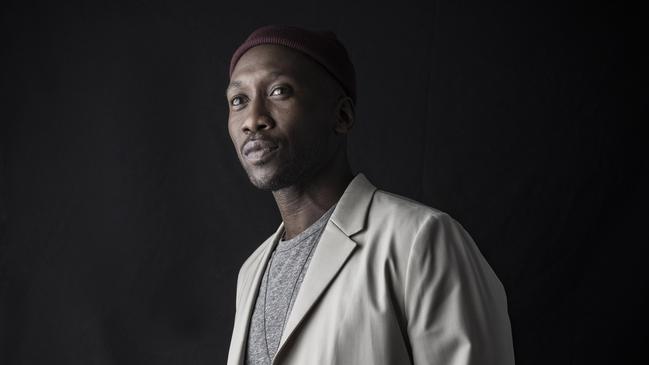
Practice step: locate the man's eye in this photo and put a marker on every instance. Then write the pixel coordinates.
(280, 90)
(237, 100)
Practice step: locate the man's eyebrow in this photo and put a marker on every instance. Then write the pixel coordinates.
(236, 84)
(233, 85)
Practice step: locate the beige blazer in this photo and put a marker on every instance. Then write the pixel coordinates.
(391, 281)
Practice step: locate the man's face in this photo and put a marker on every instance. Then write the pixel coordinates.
(282, 116)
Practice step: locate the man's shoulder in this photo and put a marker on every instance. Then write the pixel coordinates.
(386, 204)
(403, 218)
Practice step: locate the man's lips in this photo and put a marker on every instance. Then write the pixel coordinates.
(257, 150)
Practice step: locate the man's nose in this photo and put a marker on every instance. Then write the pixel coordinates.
(258, 117)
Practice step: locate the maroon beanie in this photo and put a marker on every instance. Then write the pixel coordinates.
(323, 47)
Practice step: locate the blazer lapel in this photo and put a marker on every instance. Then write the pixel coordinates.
(249, 290)
(332, 251)
(329, 257)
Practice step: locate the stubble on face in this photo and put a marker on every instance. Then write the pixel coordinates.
(298, 168)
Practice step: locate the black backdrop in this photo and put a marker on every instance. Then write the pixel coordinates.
(125, 214)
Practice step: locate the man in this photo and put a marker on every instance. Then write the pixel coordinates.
(353, 275)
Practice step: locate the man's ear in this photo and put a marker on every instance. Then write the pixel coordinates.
(344, 115)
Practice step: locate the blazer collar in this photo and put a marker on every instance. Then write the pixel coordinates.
(350, 214)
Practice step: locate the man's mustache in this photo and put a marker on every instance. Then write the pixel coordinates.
(258, 139)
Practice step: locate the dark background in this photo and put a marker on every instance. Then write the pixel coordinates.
(124, 213)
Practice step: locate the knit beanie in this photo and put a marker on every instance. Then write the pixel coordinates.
(322, 46)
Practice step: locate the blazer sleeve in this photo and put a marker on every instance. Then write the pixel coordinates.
(455, 306)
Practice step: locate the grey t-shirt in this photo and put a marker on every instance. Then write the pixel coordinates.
(278, 290)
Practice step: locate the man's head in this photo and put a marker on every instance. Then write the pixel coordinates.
(291, 104)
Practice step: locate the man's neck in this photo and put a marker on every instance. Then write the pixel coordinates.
(301, 205)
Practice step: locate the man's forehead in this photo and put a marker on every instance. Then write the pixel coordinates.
(271, 62)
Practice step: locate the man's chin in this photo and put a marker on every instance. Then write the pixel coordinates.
(266, 182)
(273, 177)
(264, 185)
